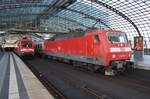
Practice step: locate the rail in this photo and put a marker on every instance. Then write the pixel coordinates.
(50, 87)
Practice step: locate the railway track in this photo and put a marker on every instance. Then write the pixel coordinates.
(144, 84)
(96, 94)
(50, 87)
(137, 81)
(84, 88)
(93, 93)
(132, 79)
(59, 95)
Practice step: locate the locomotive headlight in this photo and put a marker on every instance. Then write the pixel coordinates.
(113, 56)
(22, 50)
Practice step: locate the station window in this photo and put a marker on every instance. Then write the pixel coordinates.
(96, 38)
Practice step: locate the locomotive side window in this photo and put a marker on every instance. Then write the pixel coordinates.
(117, 38)
(96, 39)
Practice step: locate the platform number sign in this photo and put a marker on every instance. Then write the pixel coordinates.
(138, 43)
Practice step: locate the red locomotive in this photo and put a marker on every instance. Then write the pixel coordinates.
(25, 46)
(107, 50)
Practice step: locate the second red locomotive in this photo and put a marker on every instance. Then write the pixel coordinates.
(107, 50)
(25, 46)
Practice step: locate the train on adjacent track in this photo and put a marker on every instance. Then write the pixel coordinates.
(25, 46)
(105, 50)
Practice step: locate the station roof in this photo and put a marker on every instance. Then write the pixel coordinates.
(131, 16)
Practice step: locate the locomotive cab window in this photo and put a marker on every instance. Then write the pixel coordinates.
(27, 44)
(96, 39)
(117, 37)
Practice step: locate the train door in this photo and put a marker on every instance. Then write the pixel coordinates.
(96, 45)
(97, 49)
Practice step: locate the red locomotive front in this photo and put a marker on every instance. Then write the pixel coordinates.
(119, 52)
(108, 50)
(24, 47)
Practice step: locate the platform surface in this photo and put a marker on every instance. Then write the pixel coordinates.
(17, 81)
(143, 63)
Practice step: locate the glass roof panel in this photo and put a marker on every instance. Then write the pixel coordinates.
(84, 13)
(137, 10)
(13, 11)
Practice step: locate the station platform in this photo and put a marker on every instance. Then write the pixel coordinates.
(17, 81)
(143, 63)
